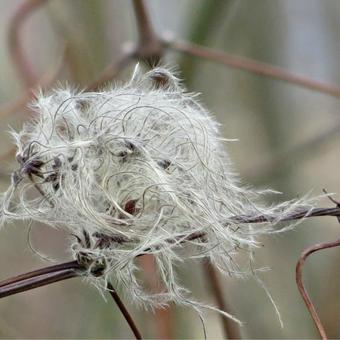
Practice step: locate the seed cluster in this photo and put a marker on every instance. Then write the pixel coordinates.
(136, 169)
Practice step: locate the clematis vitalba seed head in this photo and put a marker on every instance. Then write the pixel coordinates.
(137, 169)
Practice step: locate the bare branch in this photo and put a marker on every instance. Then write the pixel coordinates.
(149, 45)
(231, 328)
(253, 66)
(39, 278)
(316, 212)
(71, 269)
(46, 80)
(124, 311)
(23, 67)
(299, 281)
(111, 71)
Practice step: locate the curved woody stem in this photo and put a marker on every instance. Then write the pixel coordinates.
(299, 281)
(22, 65)
(124, 311)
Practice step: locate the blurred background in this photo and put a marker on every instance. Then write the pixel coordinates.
(289, 140)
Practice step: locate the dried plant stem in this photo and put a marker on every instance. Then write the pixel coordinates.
(51, 274)
(230, 328)
(23, 67)
(39, 278)
(253, 66)
(48, 275)
(35, 273)
(149, 48)
(45, 81)
(162, 316)
(149, 45)
(111, 71)
(299, 281)
(316, 212)
(124, 311)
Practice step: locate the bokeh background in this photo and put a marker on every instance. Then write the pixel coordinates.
(289, 140)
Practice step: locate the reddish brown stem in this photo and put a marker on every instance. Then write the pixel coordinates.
(24, 68)
(51, 269)
(149, 45)
(45, 81)
(162, 316)
(124, 311)
(316, 212)
(111, 71)
(253, 66)
(230, 328)
(299, 281)
(39, 278)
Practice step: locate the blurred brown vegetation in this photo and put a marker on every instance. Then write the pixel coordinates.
(288, 140)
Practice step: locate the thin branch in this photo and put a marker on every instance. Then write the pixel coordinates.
(299, 281)
(23, 67)
(45, 81)
(149, 45)
(124, 311)
(231, 328)
(55, 273)
(111, 71)
(39, 278)
(71, 269)
(149, 48)
(162, 316)
(253, 66)
(51, 269)
(316, 212)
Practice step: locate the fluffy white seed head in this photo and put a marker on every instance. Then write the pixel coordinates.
(132, 170)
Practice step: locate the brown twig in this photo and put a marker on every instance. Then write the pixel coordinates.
(316, 212)
(45, 81)
(22, 65)
(299, 281)
(149, 45)
(39, 278)
(230, 328)
(124, 311)
(162, 316)
(111, 71)
(253, 66)
(71, 269)
(52, 274)
(149, 48)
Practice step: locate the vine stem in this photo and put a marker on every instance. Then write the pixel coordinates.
(124, 311)
(55, 273)
(76, 268)
(299, 281)
(39, 278)
(230, 328)
(253, 66)
(22, 65)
